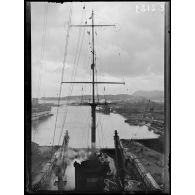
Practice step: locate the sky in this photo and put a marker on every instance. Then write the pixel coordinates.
(131, 52)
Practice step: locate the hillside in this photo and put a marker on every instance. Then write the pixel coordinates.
(118, 97)
(135, 97)
(155, 95)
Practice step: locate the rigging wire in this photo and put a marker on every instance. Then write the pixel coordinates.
(71, 89)
(98, 125)
(98, 64)
(98, 99)
(85, 62)
(101, 71)
(62, 74)
(96, 84)
(76, 61)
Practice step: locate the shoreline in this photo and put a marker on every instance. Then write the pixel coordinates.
(156, 144)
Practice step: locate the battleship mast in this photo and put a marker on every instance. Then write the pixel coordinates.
(93, 104)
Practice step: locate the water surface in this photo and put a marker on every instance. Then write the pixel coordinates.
(78, 123)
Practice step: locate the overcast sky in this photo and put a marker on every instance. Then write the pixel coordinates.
(132, 52)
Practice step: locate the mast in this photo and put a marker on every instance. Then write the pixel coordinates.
(93, 104)
(93, 57)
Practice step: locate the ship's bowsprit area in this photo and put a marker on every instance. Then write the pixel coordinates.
(103, 170)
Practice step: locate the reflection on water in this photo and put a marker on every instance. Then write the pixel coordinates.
(78, 122)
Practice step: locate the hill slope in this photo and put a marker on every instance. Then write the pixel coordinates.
(155, 95)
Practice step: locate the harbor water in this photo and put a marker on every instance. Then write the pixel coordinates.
(77, 120)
